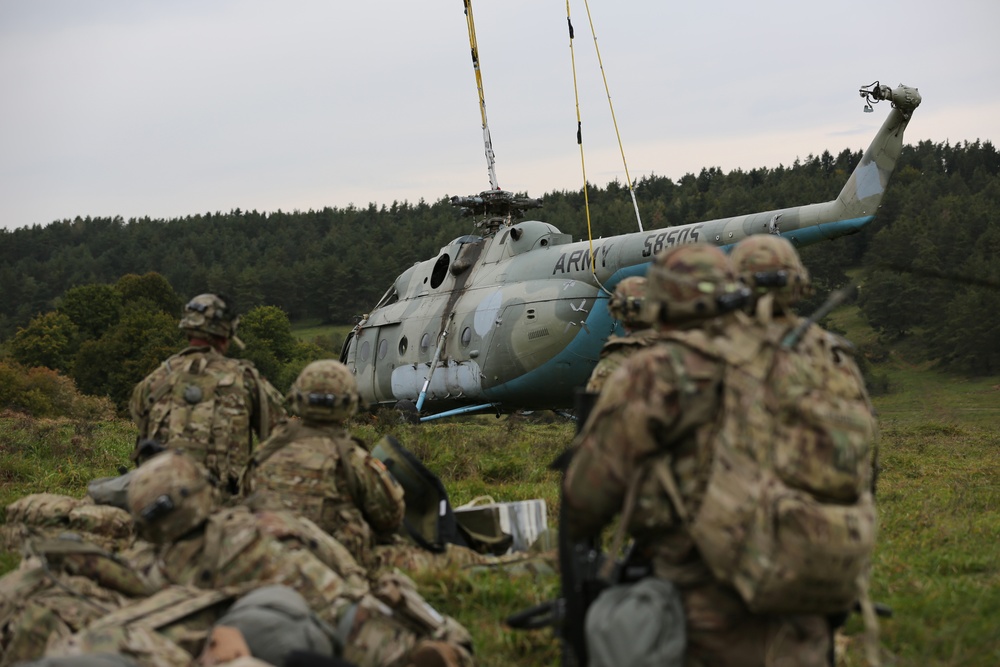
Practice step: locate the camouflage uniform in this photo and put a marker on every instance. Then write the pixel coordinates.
(166, 629)
(614, 353)
(48, 515)
(315, 467)
(206, 403)
(320, 471)
(625, 305)
(659, 409)
(60, 588)
(235, 547)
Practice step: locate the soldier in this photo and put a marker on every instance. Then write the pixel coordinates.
(316, 468)
(625, 305)
(170, 628)
(171, 500)
(771, 268)
(687, 441)
(60, 587)
(203, 402)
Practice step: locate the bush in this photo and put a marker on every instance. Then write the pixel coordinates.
(41, 392)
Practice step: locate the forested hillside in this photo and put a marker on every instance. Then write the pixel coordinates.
(939, 218)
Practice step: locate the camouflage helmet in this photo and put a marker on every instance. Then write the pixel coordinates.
(691, 282)
(168, 496)
(626, 302)
(324, 391)
(767, 263)
(209, 314)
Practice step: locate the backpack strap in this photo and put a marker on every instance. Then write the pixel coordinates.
(212, 549)
(263, 406)
(345, 447)
(635, 481)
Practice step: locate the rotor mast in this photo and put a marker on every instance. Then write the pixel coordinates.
(490, 157)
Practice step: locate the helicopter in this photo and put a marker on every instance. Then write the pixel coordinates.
(513, 317)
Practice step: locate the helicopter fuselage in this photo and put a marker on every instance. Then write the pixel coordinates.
(516, 318)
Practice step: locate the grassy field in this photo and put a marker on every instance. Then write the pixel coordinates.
(309, 331)
(937, 564)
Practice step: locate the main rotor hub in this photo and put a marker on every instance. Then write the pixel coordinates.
(496, 207)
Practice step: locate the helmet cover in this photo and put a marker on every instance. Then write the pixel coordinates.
(324, 391)
(767, 263)
(625, 304)
(209, 314)
(169, 495)
(691, 282)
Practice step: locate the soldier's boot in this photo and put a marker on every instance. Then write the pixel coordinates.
(429, 653)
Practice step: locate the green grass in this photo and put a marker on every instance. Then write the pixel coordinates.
(937, 563)
(308, 330)
(59, 456)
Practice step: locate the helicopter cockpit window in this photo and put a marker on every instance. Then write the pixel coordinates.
(383, 348)
(365, 352)
(440, 270)
(425, 343)
(466, 336)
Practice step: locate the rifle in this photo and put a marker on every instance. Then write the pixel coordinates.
(579, 565)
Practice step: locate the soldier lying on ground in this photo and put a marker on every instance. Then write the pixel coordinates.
(171, 501)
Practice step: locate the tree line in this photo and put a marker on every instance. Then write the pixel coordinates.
(105, 338)
(90, 291)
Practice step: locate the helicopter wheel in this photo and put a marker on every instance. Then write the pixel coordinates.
(407, 411)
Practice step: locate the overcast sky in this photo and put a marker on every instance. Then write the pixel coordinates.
(165, 109)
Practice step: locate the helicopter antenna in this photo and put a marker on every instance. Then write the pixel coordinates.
(614, 120)
(490, 157)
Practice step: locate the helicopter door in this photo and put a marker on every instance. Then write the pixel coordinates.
(385, 357)
(365, 345)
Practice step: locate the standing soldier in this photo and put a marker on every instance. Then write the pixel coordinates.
(625, 305)
(701, 442)
(203, 402)
(771, 268)
(315, 467)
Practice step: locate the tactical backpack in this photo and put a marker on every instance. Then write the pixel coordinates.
(302, 476)
(201, 405)
(787, 516)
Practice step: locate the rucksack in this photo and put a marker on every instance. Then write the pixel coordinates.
(787, 516)
(202, 405)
